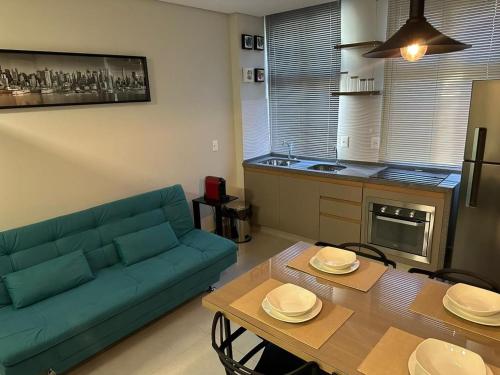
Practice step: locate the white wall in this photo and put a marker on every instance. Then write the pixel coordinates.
(58, 160)
(252, 135)
(359, 116)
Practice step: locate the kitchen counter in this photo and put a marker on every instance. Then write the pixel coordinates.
(360, 171)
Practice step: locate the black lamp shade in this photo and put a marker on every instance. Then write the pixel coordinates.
(417, 31)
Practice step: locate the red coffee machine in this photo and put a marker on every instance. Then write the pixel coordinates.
(215, 188)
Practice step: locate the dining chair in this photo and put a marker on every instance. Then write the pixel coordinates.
(378, 256)
(453, 275)
(273, 361)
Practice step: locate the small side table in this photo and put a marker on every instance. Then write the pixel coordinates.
(218, 211)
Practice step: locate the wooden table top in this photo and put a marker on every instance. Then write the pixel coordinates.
(385, 305)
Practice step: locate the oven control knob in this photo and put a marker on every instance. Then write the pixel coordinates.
(412, 213)
(383, 209)
(397, 211)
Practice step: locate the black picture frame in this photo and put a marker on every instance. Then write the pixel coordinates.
(246, 41)
(259, 75)
(258, 43)
(49, 79)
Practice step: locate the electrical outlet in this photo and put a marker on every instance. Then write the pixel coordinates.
(344, 141)
(215, 145)
(375, 143)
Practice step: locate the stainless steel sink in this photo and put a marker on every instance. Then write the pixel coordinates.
(279, 162)
(327, 167)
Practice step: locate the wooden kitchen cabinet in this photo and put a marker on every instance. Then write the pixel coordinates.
(262, 191)
(337, 230)
(299, 206)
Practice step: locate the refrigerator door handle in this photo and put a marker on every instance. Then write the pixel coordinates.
(473, 185)
(479, 144)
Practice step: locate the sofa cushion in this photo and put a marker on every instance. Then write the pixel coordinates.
(47, 279)
(145, 243)
(31, 330)
(212, 246)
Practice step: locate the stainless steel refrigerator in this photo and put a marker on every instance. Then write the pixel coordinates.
(476, 246)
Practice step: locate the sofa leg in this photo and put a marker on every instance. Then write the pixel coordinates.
(211, 289)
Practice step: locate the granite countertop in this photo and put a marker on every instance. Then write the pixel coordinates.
(361, 171)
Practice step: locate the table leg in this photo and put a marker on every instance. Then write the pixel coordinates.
(218, 220)
(227, 330)
(196, 215)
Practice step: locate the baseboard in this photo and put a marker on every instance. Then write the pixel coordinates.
(281, 234)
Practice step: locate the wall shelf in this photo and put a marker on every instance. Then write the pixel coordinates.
(371, 43)
(356, 93)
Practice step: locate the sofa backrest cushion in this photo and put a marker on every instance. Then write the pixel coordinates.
(146, 243)
(92, 231)
(47, 279)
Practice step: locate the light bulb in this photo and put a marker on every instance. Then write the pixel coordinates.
(413, 52)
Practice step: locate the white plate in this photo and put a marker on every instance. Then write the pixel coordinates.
(319, 266)
(493, 321)
(291, 300)
(333, 257)
(292, 319)
(473, 300)
(412, 363)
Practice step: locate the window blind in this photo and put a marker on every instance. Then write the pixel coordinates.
(426, 103)
(303, 71)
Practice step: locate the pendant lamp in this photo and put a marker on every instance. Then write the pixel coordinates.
(416, 38)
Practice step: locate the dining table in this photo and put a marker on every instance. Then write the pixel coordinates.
(385, 306)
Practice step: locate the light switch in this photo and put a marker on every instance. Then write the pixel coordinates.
(344, 141)
(375, 143)
(215, 145)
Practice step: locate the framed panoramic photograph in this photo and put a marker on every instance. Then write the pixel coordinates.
(246, 41)
(258, 43)
(38, 79)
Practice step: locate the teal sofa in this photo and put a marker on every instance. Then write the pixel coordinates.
(60, 331)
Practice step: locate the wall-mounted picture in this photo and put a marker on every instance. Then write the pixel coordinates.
(248, 75)
(258, 43)
(246, 41)
(259, 75)
(38, 79)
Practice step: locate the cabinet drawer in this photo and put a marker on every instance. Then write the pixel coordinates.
(343, 192)
(337, 231)
(340, 208)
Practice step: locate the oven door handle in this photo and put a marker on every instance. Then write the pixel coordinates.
(399, 221)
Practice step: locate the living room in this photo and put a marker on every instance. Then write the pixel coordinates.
(127, 127)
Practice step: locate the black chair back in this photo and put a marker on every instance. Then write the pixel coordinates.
(223, 347)
(453, 275)
(378, 256)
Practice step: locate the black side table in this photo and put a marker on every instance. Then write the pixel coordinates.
(218, 211)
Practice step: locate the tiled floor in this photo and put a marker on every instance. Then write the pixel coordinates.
(179, 343)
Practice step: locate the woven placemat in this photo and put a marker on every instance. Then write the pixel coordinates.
(313, 333)
(364, 278)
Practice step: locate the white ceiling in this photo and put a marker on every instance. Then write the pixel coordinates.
(252, 7)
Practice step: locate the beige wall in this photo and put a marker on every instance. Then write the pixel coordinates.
(58, 160)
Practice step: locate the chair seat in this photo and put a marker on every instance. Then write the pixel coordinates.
(31, 330)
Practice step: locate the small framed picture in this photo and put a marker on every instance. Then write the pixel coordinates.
(259, 75)
(248, 75)
(246, 41)
(258, 42)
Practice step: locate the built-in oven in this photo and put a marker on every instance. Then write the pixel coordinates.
(400, 228)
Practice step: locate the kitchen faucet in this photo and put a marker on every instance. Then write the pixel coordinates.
(290, 149)
(336, 151)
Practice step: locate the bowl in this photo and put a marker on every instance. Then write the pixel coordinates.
(474, 300)
(291, 300)
(336, 258)
(436, 357)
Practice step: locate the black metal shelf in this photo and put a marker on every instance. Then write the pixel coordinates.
(356, 93)
(371, 43)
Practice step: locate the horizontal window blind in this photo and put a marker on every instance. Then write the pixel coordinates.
(303, 71)
(426, 103)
